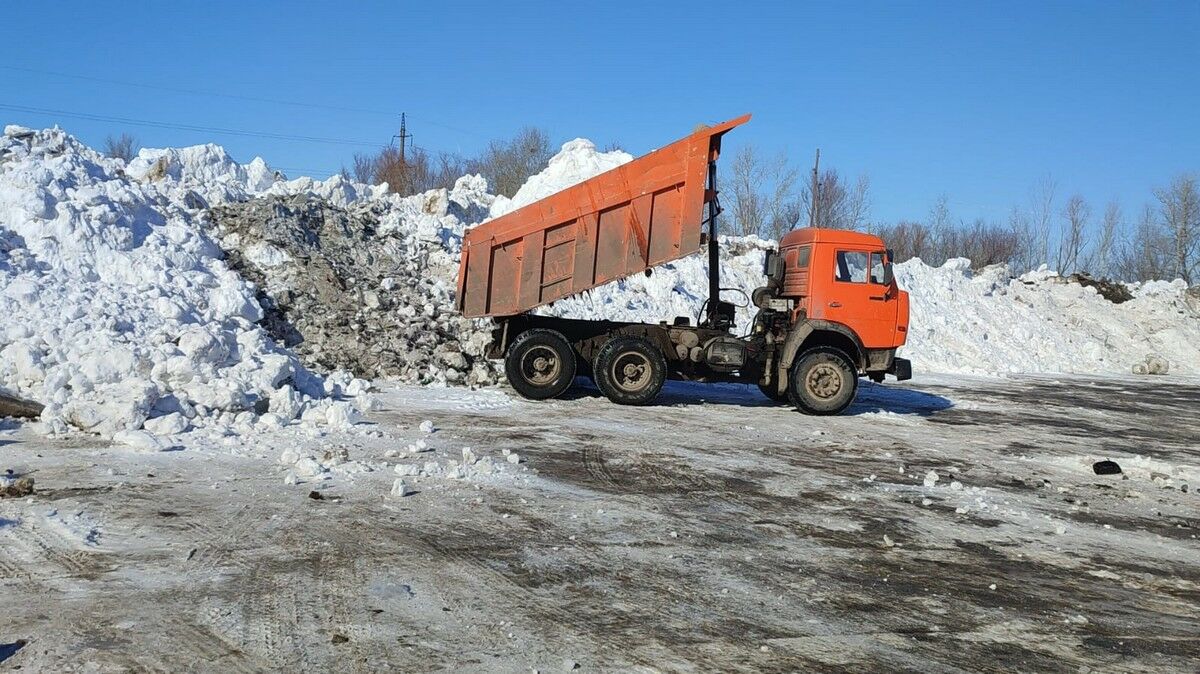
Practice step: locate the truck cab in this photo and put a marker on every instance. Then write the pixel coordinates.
(846, 278)
(831, 295)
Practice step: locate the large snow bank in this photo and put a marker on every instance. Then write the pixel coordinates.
(118, 307)
(989, 322)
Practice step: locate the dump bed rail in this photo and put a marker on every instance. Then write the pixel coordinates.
(639, 215)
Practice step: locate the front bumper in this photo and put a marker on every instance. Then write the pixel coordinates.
(901, 369)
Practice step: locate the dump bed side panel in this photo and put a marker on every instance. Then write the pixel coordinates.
(621, 222)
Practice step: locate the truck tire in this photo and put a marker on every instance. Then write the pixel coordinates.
(540, 364)
(822, 381)
(629, 370)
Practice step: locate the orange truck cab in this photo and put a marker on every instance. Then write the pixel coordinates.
(829, 311)
(832, 289)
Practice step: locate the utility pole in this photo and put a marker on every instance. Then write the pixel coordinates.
(403, 180)
(404, 136)
(816, 189)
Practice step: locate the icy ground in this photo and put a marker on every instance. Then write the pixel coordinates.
(945, 525)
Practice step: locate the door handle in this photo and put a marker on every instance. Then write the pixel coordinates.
(835, 304)
(878, 298)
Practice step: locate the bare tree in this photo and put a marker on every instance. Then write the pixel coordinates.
(1146, 253)
(508, 164)
(1179, 205)
(987, 243)
(943, 234)
(839, 205)
(1071, 239)
(764, 194)
(1042, 215)
(908, 239)
(363, 169)
(505, 164)
(1026, 256)
(1099, 261)
(123, 147)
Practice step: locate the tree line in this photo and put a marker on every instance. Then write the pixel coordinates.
(767, 196)
(505, 163)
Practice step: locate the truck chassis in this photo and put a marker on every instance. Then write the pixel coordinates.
(630, 361)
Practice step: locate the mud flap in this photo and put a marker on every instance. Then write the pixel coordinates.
(901, 369)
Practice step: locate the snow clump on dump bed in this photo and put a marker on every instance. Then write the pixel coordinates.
(119, 309)
(577, 161)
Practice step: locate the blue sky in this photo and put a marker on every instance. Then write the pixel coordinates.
(973, 100)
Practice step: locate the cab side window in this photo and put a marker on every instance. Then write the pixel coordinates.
(852, 266)
(878, 260)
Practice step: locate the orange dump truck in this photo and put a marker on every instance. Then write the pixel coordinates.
(829, 310)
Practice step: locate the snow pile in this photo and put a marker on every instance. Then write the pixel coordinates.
(204, 171)
(366, 288)
(120, 309)
(416, 465)
(675, 289)
(988, 322)
(577, 161)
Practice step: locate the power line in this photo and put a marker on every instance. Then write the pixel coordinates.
(185, 127)
(195, 92)
(302, 172)
(217, 94)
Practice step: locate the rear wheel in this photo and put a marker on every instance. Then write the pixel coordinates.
(630, 370)
(540, 364)
(822, 381)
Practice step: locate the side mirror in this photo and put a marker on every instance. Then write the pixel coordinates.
(889, 276)
(773, 267)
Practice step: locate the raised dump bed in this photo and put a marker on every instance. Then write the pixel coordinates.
(622, 222)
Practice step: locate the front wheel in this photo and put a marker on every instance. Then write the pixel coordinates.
(630, 370)
(822, 381)
(540, 364)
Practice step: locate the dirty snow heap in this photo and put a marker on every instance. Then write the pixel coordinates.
(361, 288)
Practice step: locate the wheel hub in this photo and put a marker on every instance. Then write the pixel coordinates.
(541, 366)
(824, 381)
(631, 371)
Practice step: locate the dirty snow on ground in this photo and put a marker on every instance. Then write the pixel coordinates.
(752, 537)
(347, 292)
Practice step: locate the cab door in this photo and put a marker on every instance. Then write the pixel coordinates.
(858, 298)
